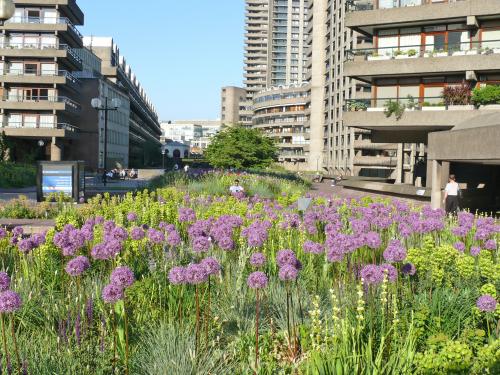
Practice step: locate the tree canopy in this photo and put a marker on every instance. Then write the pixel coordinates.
(238, 147)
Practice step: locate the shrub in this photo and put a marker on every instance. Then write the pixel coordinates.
(394, 107)
(489, 94)
(17, 175)
(457, 95)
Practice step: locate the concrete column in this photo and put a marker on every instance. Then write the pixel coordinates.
(445, 173)
(436, 195)
(55, 150)
(399, 166)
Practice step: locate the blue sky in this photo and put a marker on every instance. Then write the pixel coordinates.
(183, 51)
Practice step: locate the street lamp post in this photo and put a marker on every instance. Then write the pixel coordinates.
(163, 158)
(98, 105)
(7, 10)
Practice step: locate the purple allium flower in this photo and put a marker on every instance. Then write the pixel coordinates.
(3, 233)
(4, 282)
(475, 250)
(99, 252)
(211, 265)
(186, 215)
(201, 244)
(156, 236)
(288, 273)
(460, 246)
(38, 239)
(113, 248)
(137, 233)
(372, 274)
(89, 311)
(112, 293)
(284, 257)
(17, 231)
(77, 266)
(226, 243)
(122, 277)
(118, 233)
(196, 274)
(174, 238)
(257, 259)
(257, 280)
(392, 272)
(408, 269)
(131, 216)
(486, 303)
(372, 240)
(99, 220)
(177, 275)
(25, 245)
(395, 252)
(490, 245)
(313, 247)
(9, 302)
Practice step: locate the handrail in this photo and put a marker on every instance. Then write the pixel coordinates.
(44, 20)
(38, 73)
(361, 5)
(52, 98)
(60, 125)
(420, 50)
(411, 103)
(40, 45)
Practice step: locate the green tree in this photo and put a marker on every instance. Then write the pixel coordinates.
(238, 147)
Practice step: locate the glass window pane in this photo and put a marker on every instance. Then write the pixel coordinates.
(433, 95)
(491, 38)
(385, 93)
(405, 91)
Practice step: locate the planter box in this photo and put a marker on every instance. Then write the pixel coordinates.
(441, 54)
(375, 58)
(473, 52)
(459, 53)
(496, 50)
(490, 107)
(460, 107)
(375, 109)
(406, 57)
(436, 108)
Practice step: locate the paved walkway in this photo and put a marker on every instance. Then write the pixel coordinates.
(325, 188)
(30, 226)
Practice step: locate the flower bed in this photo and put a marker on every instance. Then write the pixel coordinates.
(170, 282)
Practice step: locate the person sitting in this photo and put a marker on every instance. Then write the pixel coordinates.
(123, 174)
(236, 188)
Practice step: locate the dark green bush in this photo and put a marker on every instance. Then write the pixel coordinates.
(14, 175)
(489, 94)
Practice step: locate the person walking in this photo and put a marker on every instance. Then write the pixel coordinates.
(451, 195)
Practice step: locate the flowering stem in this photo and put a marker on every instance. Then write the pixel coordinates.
(114, 338)
(14, 341)
(126, 336)
(7, 358)
(257, 330)
(288, 311)
(197, 318)
(207, 313)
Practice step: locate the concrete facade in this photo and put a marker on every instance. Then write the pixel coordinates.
(231, 109)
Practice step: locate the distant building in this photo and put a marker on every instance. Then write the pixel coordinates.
(195, 133)
(175, 150)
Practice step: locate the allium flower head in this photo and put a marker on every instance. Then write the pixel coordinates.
(392, 272)
(460, 246)
(131, 216)
(288, 273)
(372, 274)
(475, 250)
(156, 236)
(112, 293)
(77, 266)
(196, 274)
(201, 244)
(395, 252)
(486, 303)
(137, 233)
(25, 245)
(174, 238)
(122, 277)
(17, 231)
(4, 282)
(372, 240)
(9, 302)
(177, 275)
(257, 280)
(490, 244)
(257, 259)
(284, 257)
(408, 269)
(313, 247)
(211, 265)
(3, 233)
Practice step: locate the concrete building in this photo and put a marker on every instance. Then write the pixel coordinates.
(281, 113)
(144, 126)
(421, 49)
(174, 149)
(39, 104)
(195, 133)
(231, 109)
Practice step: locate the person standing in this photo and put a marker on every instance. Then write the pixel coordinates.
(451, 195)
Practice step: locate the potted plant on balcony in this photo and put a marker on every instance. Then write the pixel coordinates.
(441, 53)
(473, 51)
(357, 105)
(412, 53)
(458, 97)
(398, 54)
(428, 106)
(458, 52)
(487, 97)
(394, 108)
(376, 56)
(411, 103)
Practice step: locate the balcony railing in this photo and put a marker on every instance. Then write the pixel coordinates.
(41, 45)
(44, 21)
(39, 99)
(38, 125)
(360, 5)
(485, 47)
(37, 73)
(427, 103)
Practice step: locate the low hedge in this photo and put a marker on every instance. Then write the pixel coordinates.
(14, 175)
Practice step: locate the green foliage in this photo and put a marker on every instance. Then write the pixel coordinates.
(241, 148)
(395, 108)
(16, 175)
(489, 94)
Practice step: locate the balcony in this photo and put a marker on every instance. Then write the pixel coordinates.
(42, 50)
(61, 77)
(44, 24)
(368, 63)
(365, 16)
(40, 103)
(47, 130)
(68, 7)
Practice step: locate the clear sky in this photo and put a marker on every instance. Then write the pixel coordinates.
(182, 51)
